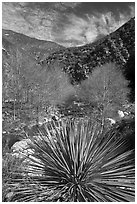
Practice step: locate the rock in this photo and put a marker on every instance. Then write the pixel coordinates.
(121, 113)
(21, 149)
(112, 121)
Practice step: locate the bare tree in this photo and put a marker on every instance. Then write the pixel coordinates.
(52, 87)
(106, 87)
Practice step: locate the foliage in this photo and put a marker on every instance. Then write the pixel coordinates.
(126, 130)
(30, 92)
(10, 164)
(53, 85)
(107, 88)
(71, 163)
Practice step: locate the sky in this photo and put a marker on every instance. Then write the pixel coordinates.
(66, 23)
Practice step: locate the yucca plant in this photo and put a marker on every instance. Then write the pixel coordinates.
(73, 162)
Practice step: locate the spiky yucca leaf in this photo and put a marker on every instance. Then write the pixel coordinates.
(72, 162)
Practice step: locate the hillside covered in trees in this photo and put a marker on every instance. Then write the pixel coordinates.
(28, 62)
(68, 93)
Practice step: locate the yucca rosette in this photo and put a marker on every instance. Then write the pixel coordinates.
(71, 161)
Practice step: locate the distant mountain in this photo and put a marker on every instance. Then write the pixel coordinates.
(25, 61)
(37, 49)
(118, 47)
(20, 58)
(25, 58)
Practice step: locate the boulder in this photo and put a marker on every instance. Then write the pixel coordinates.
(21, 149)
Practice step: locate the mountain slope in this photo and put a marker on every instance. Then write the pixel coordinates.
(118, 47)
(37, 49)
(26, 62)
(25, 59)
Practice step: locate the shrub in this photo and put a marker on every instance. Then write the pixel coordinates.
(72, 163)
(107, 88)
(10, 167)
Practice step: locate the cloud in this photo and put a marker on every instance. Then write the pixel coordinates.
(32, 22)
(60, 21)
(65, 5)
(37, 20)
(132, 10)
(88, 29)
